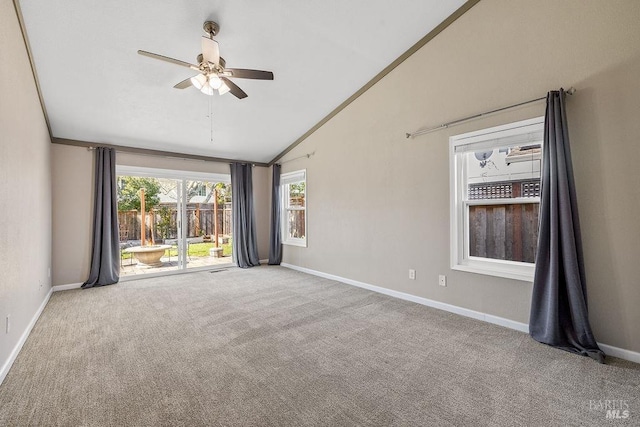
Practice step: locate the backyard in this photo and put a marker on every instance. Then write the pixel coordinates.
(198, 256)
(195, 250)
(151, 221)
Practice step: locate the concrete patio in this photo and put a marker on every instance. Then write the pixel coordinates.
(130, 267)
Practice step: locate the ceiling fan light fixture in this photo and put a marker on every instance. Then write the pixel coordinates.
(206, 84)
(198, 81)
(213, 76)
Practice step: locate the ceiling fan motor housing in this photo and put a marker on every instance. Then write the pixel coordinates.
(221, 61)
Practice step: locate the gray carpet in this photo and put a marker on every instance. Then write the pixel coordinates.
(271, 346)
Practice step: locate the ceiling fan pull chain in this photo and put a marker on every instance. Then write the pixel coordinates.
(211, 116)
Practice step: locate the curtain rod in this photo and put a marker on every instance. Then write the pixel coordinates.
(91, 148)
(419, 132)
(150, 152)
(308, 155)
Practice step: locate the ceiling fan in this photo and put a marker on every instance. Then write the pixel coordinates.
(213, 75)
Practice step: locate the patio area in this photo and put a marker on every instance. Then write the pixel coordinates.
(199, 254)
(130, 267)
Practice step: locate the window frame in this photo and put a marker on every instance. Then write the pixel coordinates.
(459, 203)
(286, 179)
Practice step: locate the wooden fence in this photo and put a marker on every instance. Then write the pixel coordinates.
(200, 221)
(297, 224)
(504, 231)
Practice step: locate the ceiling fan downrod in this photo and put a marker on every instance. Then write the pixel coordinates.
(211, 28)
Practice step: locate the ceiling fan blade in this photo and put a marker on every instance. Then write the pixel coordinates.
(184, 84)
(210, 50)
(167, 59)
(241, 73)
(233, 88)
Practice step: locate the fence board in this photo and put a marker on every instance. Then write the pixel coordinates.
(499, 232)
(508, 232)
(504, 231)
(478, 229)
(490, 241)
(517, 232)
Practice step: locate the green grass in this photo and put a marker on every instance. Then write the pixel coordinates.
(195, 250)
(202, 249)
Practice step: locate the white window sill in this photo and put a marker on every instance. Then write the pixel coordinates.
(301, 243)
(508, 270)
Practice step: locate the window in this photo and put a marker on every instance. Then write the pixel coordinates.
(294, 208)
(495, 199)
(200, 189)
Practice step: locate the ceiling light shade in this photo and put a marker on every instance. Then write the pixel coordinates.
(207, 90)
(199, 81)
(207, 84)
(214, 81)
(223, 88)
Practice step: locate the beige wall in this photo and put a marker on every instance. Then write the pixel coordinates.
(25, 199)
(262, 204)
(378, 203)
(72, 197)
(73, 204)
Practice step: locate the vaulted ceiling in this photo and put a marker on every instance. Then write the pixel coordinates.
(97, 89)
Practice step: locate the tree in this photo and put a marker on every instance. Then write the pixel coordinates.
(195, 187)
(129, 192)
(224, 192)
(164, 225)
(296, 193)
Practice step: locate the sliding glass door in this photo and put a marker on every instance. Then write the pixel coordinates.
(171, 220)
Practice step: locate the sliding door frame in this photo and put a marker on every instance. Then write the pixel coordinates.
(181, 177)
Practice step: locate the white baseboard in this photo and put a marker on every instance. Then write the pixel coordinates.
(264, 261)
(621, 353)
(501, 321)
(523, 327)
(59, 288)
(23, 338)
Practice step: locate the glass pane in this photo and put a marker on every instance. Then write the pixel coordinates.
(296, 224)
(296, 194)
(508, 232)
(208, 224)
(151, 237)
(148, 231)
(503, 172)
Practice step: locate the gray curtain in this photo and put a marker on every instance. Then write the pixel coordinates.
(245, 246)
(105, 255)
(275, 238)
(559, 315)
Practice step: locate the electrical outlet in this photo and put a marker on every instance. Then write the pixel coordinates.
(8, 328)
(442, 280)
(412, 274)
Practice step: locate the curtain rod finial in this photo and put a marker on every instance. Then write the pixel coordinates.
(408, 135)
(571, 90)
